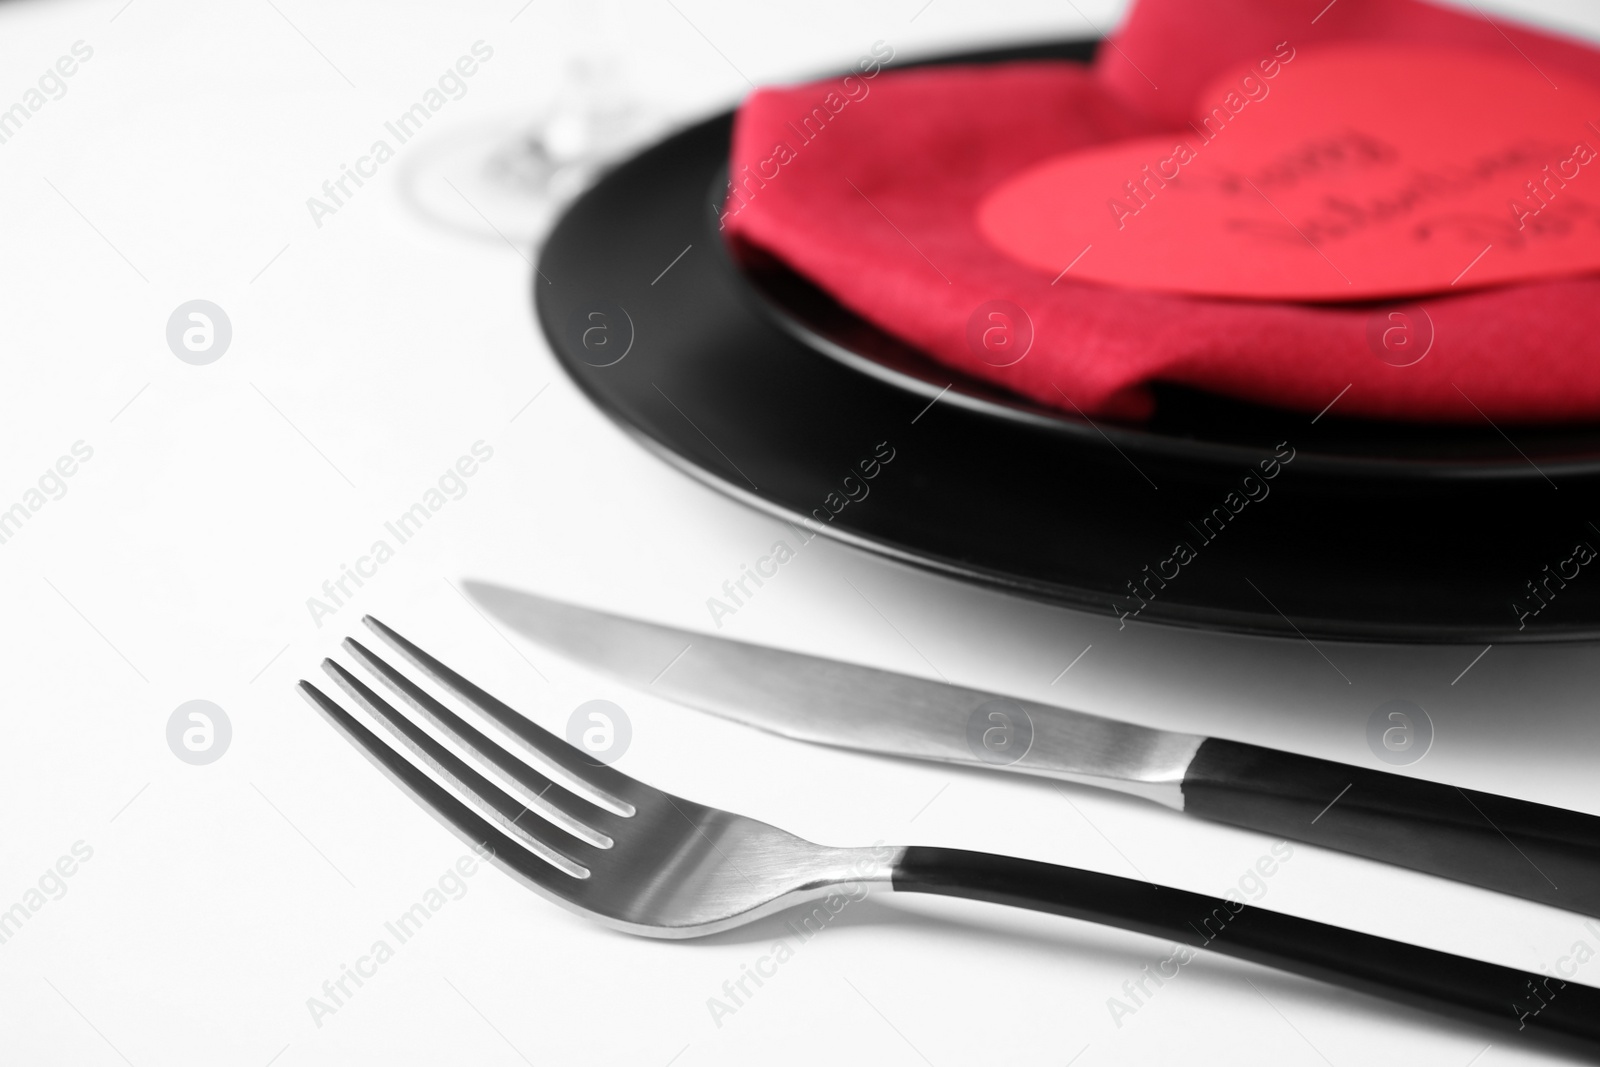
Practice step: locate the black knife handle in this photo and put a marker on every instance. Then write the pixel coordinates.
(1528, 850)
(1500, 998)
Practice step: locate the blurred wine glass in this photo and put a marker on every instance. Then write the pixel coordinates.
(505, 180)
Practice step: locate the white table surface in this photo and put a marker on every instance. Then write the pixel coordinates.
(370, 353)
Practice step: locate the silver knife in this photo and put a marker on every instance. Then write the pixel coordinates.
(1529, 850)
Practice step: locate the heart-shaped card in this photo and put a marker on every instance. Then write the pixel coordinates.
(1347, 173)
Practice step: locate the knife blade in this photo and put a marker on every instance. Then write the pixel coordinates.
(1528, 850)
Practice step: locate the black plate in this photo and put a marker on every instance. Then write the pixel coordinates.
(755, 382)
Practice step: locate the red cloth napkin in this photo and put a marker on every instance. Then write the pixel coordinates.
(876, 205)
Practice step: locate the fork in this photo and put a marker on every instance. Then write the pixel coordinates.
(632, 857)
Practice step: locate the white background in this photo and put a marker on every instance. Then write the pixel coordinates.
(367, 356)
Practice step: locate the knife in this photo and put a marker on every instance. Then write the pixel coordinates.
(1528, 850)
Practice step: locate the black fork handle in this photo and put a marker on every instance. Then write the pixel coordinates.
(1499, 998)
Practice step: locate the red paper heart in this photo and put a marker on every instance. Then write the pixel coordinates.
(1353, 172)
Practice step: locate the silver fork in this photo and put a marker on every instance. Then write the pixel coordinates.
(616, 850)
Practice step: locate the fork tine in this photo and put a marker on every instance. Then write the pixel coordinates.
(571, 812)
(609, 784)
(460, 818)
(505, 807)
